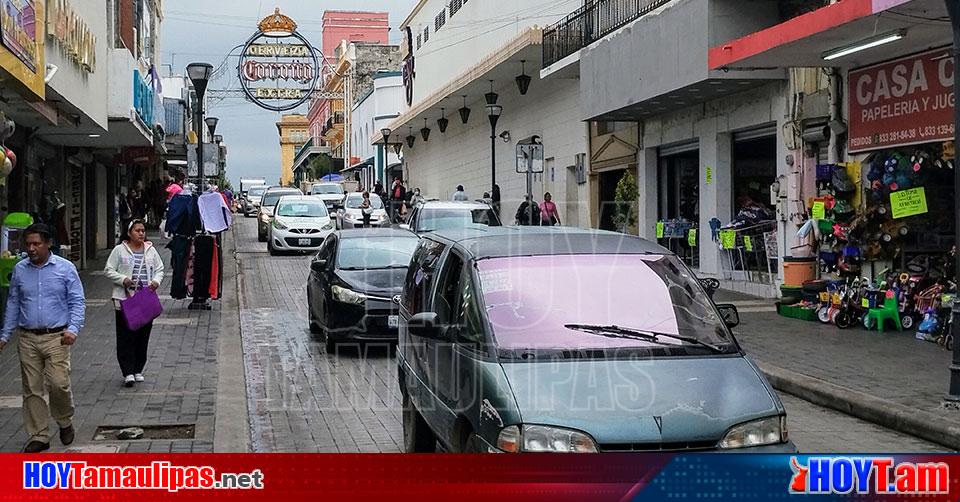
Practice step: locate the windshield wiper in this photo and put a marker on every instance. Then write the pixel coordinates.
(614, 331)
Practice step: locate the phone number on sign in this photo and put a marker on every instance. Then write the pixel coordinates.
(885, 137)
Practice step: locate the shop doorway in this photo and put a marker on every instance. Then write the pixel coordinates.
(678, 198)
(754, 169)
(608, 194)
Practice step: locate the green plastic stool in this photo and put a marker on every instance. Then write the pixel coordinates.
(889, 310)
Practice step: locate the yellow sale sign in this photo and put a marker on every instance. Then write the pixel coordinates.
(908, 202)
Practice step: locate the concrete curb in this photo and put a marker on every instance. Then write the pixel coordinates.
(232, 424)
(894, 416)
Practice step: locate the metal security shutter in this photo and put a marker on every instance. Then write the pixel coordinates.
(686, 146)
(757, 132)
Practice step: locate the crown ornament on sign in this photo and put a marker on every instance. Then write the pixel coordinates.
(277, 25)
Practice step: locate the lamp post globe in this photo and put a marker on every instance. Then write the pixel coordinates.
(212, 125)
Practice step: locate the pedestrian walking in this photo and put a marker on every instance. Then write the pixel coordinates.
(398, 194)
(132, 265)
(378, 189)
(495, 196)
(549, 216)
(528, 213)
(45, 308)
(459, 195)
(366, 209)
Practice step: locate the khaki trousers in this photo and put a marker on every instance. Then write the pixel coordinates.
(42, 358)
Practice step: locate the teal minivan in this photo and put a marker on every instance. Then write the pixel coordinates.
(544, 339)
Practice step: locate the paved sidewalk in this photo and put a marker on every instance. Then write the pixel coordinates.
(858, 370)
(181, 374)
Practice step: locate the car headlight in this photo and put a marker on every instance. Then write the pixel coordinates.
(541, 438)
(348, 295)
(279, 226)
(770, 430)
(328, 226)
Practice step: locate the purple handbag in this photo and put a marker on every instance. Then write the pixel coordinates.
(141, 308)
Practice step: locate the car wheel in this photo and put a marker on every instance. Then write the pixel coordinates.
(270, 248)
(824, 315)
(906, 322)
(312, 321)
(417, 436)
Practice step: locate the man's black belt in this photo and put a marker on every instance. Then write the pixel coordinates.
(45, 331)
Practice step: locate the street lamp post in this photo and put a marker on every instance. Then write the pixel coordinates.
(952, 399)
(212, 128)
(493, 112)
(199, 75)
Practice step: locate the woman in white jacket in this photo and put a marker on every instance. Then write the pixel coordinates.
(132, 265)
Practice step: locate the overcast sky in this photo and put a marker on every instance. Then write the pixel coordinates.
(208, 30)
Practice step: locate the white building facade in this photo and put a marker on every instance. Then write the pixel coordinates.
(373, 112)
(455, 53)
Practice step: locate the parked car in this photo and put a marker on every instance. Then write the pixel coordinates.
(331, 194)
(433, 215)
(265, 211)
(529, 339)
(354, 281)
(351, 216)
(250, 202)
(300, 223)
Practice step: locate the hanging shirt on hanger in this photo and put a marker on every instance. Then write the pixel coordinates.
(214, 212)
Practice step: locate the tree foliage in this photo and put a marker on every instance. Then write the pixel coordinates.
(625, 197)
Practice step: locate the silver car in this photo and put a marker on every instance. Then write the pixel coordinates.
(251, 201)
(267, 204)
(435, 215)
(351, 216)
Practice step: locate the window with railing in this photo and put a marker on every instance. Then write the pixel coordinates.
(426, 34)
(594, 20)
(440, 20)
(455, 6)
(419, 41)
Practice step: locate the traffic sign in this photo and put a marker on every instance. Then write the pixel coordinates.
(529, 158)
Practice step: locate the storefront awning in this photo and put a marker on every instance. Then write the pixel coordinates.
(804, 40)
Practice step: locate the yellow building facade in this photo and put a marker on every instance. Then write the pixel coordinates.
(294, 132)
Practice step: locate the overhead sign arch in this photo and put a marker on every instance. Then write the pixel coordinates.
(278, 68)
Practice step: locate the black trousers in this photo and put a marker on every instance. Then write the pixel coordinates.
(132, 346)
(202, 264)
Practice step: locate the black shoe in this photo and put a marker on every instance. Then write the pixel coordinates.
(36, 447)
(66, 435)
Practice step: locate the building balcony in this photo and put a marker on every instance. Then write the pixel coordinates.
(645, 58)
(591, 22)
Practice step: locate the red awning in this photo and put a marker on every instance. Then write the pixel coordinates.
(802, 41)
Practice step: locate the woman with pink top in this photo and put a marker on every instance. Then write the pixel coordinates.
(549, 216)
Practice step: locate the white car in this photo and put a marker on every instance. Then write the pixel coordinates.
(351, 216)
(300, 223)
(331, 193)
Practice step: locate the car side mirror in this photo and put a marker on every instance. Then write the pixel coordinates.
(319, 266)
(425, 325)
(729, 314)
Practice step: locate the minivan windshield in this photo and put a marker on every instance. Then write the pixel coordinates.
(326, 190)
(576, 302)
(256, 191)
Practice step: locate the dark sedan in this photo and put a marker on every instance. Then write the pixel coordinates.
(353, 281)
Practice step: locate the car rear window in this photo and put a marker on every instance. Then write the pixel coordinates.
(270, 199)
(432, 219)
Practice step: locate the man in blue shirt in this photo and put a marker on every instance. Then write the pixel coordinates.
(46, 310)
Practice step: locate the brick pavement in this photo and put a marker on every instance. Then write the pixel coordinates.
(302, 399)
(181, 375)
(890, 365)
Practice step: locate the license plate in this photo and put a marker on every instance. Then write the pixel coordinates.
(393, 321)
(303, 242)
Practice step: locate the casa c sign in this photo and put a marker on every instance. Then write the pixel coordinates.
(278, 68)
